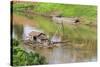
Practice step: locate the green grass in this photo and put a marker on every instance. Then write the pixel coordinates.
(68, 10)
(82, 32)
(45, 24)
(74, 33)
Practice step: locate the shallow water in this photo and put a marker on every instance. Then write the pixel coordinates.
(28, 29)
(65, 53)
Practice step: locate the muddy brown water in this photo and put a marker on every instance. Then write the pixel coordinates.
(66, 53)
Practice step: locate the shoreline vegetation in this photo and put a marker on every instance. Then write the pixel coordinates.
(21, 57)
(40, 14)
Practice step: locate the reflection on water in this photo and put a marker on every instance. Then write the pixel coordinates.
(65, 53)
(56, 38)
(28, 29)
(18, 30)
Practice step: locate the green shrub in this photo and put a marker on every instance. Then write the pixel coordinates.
(22, 58)
(15, 42)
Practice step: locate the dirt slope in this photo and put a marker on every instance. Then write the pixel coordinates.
(17, 19)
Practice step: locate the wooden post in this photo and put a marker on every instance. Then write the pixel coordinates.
(62, 27)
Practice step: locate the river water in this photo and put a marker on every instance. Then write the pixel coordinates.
(65, 53)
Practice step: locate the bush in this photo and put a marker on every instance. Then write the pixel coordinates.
(15, 42)
(22, 58)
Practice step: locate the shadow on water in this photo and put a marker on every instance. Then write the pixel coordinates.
(17, 31)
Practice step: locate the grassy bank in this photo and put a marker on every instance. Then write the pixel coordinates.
(68, 10)
(74, 33)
